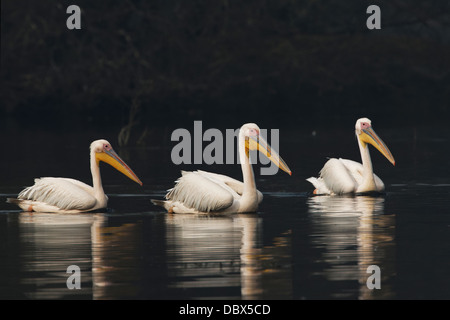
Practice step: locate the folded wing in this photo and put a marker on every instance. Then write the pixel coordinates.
(236, 185)
(202, 192)
(66, 194)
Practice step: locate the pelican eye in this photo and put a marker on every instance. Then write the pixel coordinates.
(364, 125)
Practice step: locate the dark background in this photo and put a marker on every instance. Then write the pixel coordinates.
(138, 69)
(138, 66)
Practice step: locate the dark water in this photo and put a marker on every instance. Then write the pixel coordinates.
(296, 247)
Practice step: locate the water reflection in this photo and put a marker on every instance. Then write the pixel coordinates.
(224, 257)
(116, 268)
(49, 243)
(157, 256)
(163, 256)
(114, 255)
(354, 233)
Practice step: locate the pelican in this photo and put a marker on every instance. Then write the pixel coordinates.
(65, 195)
(205, 192)
(341, 176)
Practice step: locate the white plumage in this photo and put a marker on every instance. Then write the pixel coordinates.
(205, 192)
(56, 194)
(69, 195)
(342, 176)
(213, 193)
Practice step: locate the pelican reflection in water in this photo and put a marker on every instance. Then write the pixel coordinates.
(353, 233)
(220, 254)
(107, 250)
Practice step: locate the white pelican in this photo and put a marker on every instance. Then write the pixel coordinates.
(205, 192)
(64, 195)
(340, 176)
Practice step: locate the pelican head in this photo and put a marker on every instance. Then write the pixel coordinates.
(102, 151)
(254, 141)
(366, 134)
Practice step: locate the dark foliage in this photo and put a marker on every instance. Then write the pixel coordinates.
(144, 64)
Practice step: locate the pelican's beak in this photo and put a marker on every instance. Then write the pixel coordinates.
(369, 136)
(258, 143)
(113, 159)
